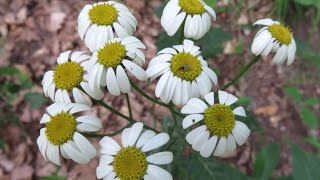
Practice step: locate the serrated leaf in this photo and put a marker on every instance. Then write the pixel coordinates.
(266, 162)
(294, 93)
(212, 43)
(309, 117)
(35, 99)
(304, 166)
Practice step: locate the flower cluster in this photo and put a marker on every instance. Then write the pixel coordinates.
(185, 79)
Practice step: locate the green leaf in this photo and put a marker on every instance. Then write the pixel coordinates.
(293, 93)
(244, 100)
(304, 166)
(35, 99)
(165, 41)
(309, 117)
(312, 101)
(210, 3)
(266, 162)
(314, 141)
(212, 43)
(12, 71)
(308, 2)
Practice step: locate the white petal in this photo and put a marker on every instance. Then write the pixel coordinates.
(95, 94)
(240, 132)
(125, 137)
(173, 28)
(156, 68)
(231, 143)
(109, 146)
(79, 108)
(210, 11)
(191, 136)
(194, 106)
(291, 52)
(167, 51)
(121, 32)
(63, 57)
(158, 172)
(184, 92)
(92, 120)
(209, 98)
(191, 120)
(239, 111)
(223, 96)
(280, 55)
(123, 80)
(45, 118)
(177, 93)
(231, 99)
(208, 147)
(91, 38)
(79, 97)
(52, 154)
(266, 22)
(106, 159)
(75, 154)
(112, 83)
(221, 147)
(135, 70)
(111, 176)
(84, 145)
(135, 133)
(260, 42)
(160, 158)
(83, 26)
(145, 136)
(210, 73)
(195, 89)
(200, 140)
(103, 171)
(155, 142)
(162, 83)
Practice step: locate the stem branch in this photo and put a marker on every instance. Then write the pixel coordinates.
(242, 72)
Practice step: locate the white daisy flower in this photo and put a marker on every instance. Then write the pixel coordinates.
(275, 37)
(61, 133)
(108, 65)
(68, 76)
(104, 21)
(195, 15)
(220, 131)
(184, 73)
(133, 160)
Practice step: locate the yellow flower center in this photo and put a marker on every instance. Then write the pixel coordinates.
(112, 54)
(61, 128)
(192, 6)
(185, 66)
(219, 119)
(281, 33)
(103, 14)
(130, 163)
(68, 75)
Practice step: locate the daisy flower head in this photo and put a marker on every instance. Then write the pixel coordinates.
(184, 73)
(61, 134)
(104, 21)
(274, 37)
(133, 160)
(108, 65)
(67, 77)
(220, 132)
(194, 15)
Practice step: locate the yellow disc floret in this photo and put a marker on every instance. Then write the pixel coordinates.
(281, 33)
(130, 163)
(192, 6)
(112, 54)
(186, 66)
(103, 14)
(219, 119)
(61, 128)
(68, 75)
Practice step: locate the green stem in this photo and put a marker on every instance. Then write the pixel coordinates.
(129, 105)
(94, 135)
(121, 115)
(153, 100)
(182, 32)
(171, 108)
(242, 72)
